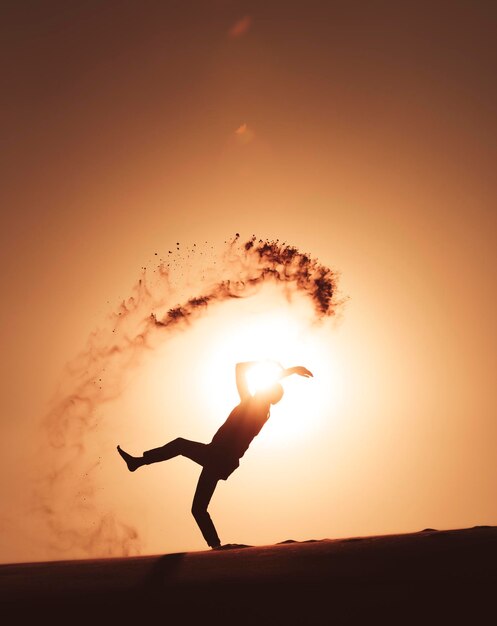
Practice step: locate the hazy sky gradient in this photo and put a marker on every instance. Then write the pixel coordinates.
(369, 142)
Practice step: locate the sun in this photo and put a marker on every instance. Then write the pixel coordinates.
(270, 338)
(263, 375)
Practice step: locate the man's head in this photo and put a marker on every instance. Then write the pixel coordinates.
(272, 394)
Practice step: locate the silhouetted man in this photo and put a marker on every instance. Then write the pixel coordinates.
(222, 455)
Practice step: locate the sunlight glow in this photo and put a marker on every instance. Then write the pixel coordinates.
(263, 375)
(282, 335)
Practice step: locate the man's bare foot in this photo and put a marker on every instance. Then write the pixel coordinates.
(132, 462)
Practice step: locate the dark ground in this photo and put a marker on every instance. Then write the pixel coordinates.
(429, 577)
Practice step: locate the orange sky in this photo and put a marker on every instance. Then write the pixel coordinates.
(365, 135)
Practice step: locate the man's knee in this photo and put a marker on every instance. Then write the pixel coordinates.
(198, 511)
(178, 445)
(175, 444)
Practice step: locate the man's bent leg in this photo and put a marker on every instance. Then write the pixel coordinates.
(178, 447)
(191, 449)
(203, 494)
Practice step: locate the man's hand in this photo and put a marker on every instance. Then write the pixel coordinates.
(302, 371)
(299, 370)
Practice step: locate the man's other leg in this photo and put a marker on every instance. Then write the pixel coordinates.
(203, 494)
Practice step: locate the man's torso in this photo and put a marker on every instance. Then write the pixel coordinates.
(243, 424)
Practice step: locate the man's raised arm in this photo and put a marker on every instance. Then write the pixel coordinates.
(241, 370)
